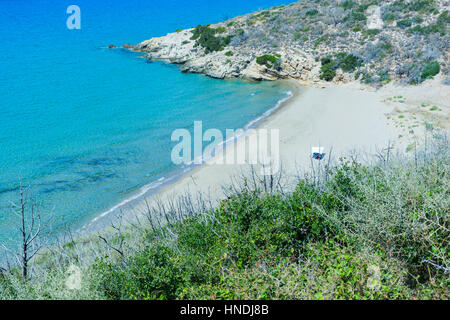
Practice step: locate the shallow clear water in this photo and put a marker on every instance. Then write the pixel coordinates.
(86, 127)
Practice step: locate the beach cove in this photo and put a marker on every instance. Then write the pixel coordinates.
(353, 122)
(151, 159)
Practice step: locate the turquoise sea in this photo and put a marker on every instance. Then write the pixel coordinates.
(85, 127)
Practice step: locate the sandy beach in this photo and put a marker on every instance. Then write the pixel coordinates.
(344, 120)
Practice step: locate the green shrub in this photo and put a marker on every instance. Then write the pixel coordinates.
(371, 32)
(319, 41)
(443, 18)
(388, 17)
(221, 30)
(384, 76)
(386, 46)
(154, 273)
(349, 62)
(328, 69)
(370, 193)
(355, 17)
(440, 26)
(424, 6)
(430, 70)
(418, 19)
(376, 231)
(205, 36)
(269, 61)
(366, 78)
(347, 4)
(312, 12)
(404, 23)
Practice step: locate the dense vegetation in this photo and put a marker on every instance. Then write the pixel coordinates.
(431, 69)
(346, 62)
(354, 231)
(206, 37)
(269, 61)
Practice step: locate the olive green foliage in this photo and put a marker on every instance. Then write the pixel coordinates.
(421, 6)
(154, 273)
(205, 36)
(269, 61)
(404, 23)
(440, 26)
(430, 70)
(417, 19)
(424, 6)
(312, 12)
(328, 69)
(354, 17)
(347, 4)
(347, 62)
(319, 41)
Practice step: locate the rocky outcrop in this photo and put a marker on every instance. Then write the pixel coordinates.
(239, 63)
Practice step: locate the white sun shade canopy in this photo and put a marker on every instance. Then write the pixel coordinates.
(317, 149)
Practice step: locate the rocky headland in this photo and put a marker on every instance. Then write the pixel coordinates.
(368, 42)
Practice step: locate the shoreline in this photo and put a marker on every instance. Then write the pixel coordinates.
(100, 221)
(342, 118)
(189, 178)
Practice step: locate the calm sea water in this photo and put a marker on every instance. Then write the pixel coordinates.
(86, 127)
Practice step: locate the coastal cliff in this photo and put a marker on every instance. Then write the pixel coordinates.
(373, 42)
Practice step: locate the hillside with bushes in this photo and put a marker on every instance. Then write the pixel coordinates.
(370, 41)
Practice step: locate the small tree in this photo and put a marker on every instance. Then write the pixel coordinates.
(29, 230)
